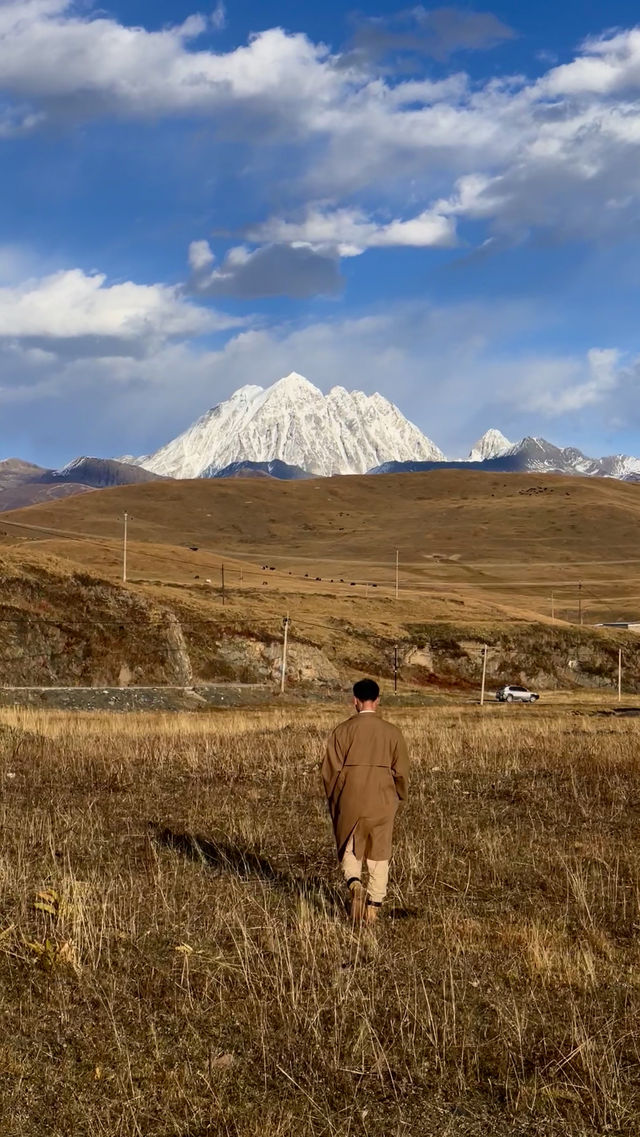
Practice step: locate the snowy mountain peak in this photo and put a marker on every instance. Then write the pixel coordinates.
(493, 444)
(294, 384)
(344, 432)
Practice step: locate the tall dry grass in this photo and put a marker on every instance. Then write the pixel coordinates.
(175, 958)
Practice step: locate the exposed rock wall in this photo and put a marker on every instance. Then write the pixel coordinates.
(64, 628)
(531, 654)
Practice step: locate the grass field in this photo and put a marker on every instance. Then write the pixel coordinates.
(175, 958)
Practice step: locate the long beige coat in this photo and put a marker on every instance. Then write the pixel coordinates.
(365, 774)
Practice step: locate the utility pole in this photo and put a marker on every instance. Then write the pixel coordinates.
(222, 581)
(484, 673)
(395, 669)
(124, 549)
(620, 675)
(285, 624)
(580, 602)
(397, 572)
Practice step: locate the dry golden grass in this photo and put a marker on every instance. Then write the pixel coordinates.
(175, 959)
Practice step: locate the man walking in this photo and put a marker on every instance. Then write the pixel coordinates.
(365, 774)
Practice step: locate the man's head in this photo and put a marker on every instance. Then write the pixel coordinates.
(366, 695)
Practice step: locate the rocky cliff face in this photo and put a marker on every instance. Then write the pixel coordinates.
(59, 628)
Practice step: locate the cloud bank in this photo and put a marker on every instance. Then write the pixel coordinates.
(558, 153)
(354, 153)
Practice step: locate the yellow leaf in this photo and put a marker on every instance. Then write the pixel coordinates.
(49, 894)
(97, 1073)
(185, 949)
(66, 953)
(45, 906)
(47, 900)
(39, 949)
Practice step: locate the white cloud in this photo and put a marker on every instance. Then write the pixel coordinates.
(219, 16)
(72, 306)
(349, 231)
(201, 256)
(558, 153)
(52, 55)
(608, 65)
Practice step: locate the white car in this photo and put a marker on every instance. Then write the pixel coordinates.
(514, 694)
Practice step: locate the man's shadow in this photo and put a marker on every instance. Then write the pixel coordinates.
(246, 864)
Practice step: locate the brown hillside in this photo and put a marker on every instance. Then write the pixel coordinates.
(509, 539)
(31, 493)
(479, 558)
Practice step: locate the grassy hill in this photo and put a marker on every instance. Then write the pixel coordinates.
(479, 558)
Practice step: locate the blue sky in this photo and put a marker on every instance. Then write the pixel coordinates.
(441, 203)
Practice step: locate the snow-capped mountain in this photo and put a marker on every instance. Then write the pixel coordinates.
(530, 455)
(344, 432)
(492, 445)
(621, 466)
(538, 454)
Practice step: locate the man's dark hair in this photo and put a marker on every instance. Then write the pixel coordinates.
(366, 690)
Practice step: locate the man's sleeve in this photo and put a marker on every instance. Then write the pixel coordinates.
(400, 767)
(332, 764)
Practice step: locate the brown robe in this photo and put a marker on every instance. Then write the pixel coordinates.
(365, 774)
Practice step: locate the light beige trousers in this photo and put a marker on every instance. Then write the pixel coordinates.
(378, 872)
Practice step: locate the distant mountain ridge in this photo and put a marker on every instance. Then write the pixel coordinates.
(534, 455)
(276, 469)
(99, 473)
(24, 483)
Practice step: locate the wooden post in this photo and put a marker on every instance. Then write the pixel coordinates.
(484, 673)
(285, 624)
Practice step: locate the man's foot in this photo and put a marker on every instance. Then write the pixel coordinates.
(371, 912)
(357, 908)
